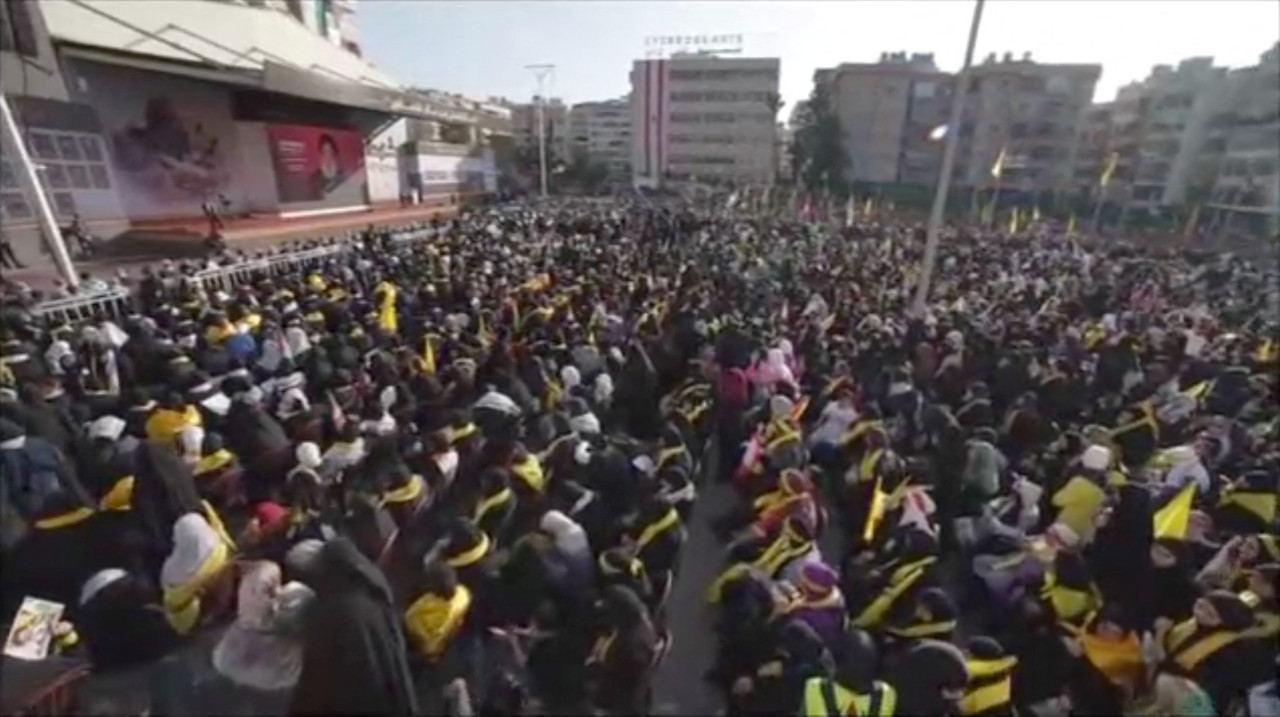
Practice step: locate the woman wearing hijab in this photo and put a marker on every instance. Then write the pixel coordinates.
(624, 655)
(354, 657)
(262, 650)
(66, 541)
(571, 549)
(197, 575)
(164, 491)
(119, 621)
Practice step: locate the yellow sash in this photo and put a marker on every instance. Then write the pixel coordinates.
(406, 493)
(901, 581)
(432, 621)
(120, 496)
(656, 528)
(472, 555)
(490, 502)
(182, 602)
(212, 462)
(64, 520)
(529, 470)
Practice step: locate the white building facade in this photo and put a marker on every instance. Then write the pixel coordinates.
(704, 117)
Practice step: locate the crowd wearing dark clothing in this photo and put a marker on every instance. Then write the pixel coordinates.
(456, 473)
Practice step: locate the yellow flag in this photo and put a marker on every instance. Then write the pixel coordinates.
(997, 168)
(1192, 222)
(387, 318)
(1172, 520)
(428, 355)
(1109, 170)
(875, 514)
(868, 206)
(1071, 224)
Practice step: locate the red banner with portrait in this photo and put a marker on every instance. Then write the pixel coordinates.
(317, 166)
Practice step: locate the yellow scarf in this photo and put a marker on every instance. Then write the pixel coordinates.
(212, 462)
(433, 621)
(529, 470)
(165, 424)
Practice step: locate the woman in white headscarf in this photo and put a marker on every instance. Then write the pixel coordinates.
(571, 545)
(262, 650)
(194, 569)
(118, 622)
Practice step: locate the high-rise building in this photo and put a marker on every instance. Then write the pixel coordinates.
(524, 128)
(1247, 187)
(886, 111)
(1163, 127)
(602, 131)
(706, 117)
(1032, 113)
(1094, 147)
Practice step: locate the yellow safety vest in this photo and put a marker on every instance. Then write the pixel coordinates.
(827, 698)
(990, 685)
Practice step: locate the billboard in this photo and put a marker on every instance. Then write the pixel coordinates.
(317, 167)
(171, 142)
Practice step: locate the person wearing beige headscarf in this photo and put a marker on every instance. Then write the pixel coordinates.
(262, 649)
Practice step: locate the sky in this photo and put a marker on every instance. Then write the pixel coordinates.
(481, 47)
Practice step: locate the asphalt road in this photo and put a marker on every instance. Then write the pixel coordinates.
(679, 688)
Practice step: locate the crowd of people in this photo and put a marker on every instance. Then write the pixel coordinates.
(458, 474)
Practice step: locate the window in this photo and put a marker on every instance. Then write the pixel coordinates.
(79, 175)
(42, 145)
(13, 205)
(64, 205)
(8, 177)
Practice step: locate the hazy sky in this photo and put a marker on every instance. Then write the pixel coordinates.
(481, 47)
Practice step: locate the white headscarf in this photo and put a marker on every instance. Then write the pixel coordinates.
(193, 541)
(98, 581)
(569, 537)
(570, 377)
(603, 388)
(255, 652)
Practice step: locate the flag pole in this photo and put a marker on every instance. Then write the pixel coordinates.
(948, 165)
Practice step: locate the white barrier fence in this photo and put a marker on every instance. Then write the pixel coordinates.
(117, 302)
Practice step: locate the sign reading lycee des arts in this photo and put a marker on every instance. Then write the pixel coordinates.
(701, 42)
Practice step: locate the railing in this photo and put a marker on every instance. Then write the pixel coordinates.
(117, 302)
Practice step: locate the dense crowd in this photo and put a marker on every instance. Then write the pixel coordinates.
(458, 474)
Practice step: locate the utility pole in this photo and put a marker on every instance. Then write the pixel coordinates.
(540, 73)
(948, 165)
(44, 214)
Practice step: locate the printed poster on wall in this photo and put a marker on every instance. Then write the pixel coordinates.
(171, 142)
(317, 167)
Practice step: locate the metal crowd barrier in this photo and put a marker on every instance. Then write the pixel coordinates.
(116, 303)
(226, 278)
(112, 303)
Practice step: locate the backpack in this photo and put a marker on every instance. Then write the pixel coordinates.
(37, 479)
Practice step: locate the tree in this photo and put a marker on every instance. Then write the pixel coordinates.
(587, 173)
(818, 159)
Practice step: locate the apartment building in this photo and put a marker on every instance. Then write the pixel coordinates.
(524, 128)
(1094, 147)
(1247, 186)
(704, 116)
(1168, 124)
(1033, 113)
(602, 131)
(886, 111)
